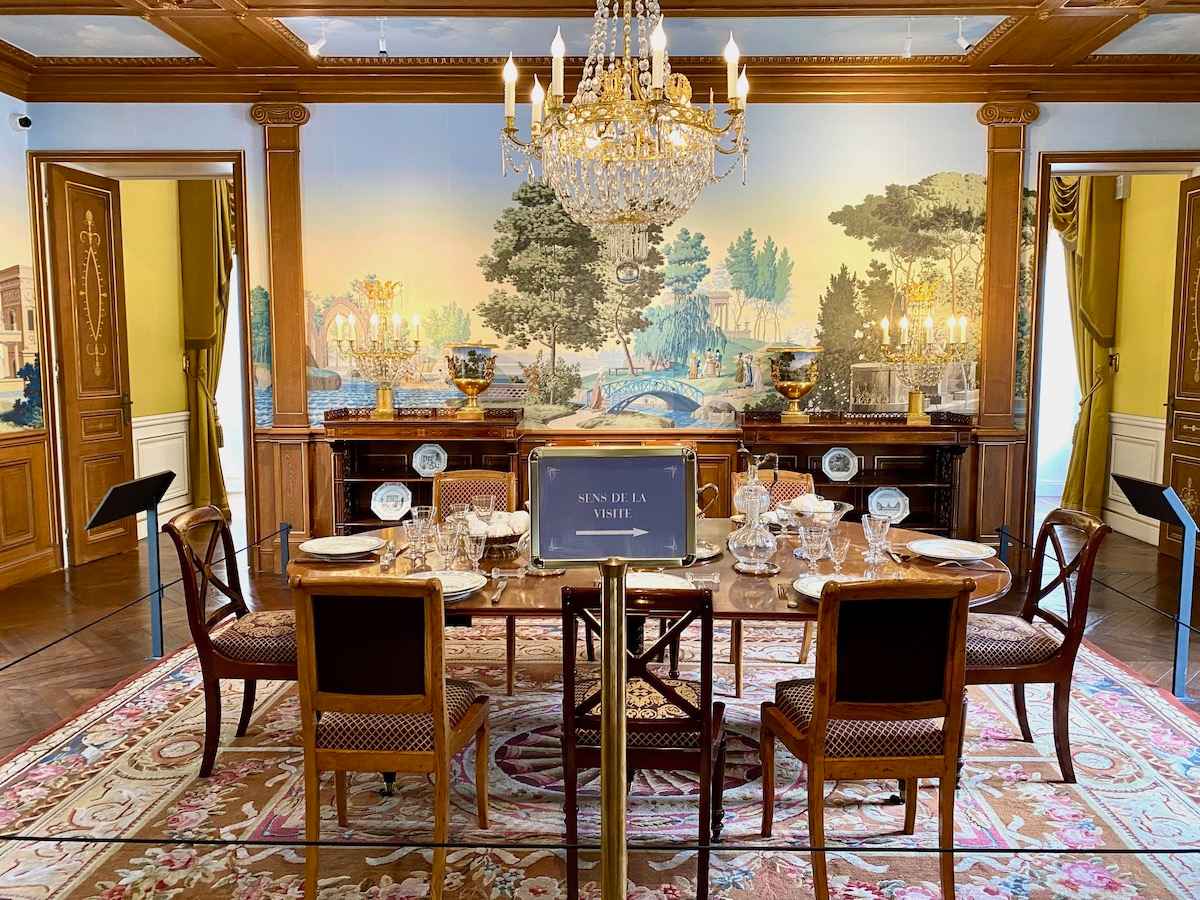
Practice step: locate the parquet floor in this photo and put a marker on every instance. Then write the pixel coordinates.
(39, 691)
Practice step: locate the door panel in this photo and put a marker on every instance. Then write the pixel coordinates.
(89, 305)
(1182, 458)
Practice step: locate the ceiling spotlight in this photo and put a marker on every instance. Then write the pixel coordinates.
(315, 48)
(963, 44)
(908, 40)
(382, 39)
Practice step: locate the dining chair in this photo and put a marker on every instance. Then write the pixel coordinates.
(252, 646)
(1039, 646)
(886, 702)
(671, 724)
(788, 486)
(388, 705)
(459, 487)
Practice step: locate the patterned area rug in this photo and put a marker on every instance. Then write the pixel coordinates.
(126, 768)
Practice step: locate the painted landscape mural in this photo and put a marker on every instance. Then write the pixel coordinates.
(817, 249)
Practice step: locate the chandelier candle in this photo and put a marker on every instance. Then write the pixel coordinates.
(558, 50)
(658, 44)
(510, 89)
(731, 69)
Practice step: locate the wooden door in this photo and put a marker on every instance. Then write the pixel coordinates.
(88, 299)
(1181, 459)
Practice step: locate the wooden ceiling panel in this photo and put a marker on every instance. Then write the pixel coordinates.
(232, 42)
(1039, 42)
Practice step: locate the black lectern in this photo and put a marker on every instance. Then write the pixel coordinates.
(128, 499)
(1162, 503)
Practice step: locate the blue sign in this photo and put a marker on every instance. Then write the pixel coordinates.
(595, 503)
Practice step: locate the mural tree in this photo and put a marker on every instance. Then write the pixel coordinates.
(547, 262)
(761, 278)
(448, 324)
(684, 326)
(260, 325)
(743, 273)
(840, 332)
(26, 412)
(622, 310)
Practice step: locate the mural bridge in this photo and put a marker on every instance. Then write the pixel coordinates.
(678, 395)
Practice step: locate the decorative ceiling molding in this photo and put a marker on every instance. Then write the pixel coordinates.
(1008, 112)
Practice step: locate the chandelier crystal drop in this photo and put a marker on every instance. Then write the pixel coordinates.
(629, 150)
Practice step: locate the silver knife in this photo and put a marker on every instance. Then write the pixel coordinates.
(495, 598)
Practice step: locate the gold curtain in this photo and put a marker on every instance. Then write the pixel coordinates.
(1087, 215)
(206, 258)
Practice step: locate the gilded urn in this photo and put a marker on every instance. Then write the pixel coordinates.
(794, 372)
(471, 367)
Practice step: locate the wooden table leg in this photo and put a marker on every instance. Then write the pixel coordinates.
(735, 653)
(510, 652)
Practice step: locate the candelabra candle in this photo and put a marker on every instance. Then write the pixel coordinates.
(903, 330)
(885, 327)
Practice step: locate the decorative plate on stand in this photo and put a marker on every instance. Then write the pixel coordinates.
(429, 460)
(391, 501)
(890, 502)
(839, 464)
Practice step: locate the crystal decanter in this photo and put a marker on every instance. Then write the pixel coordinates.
(753, 545)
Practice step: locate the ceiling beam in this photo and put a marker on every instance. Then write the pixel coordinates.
(272, 33)
(174, 30)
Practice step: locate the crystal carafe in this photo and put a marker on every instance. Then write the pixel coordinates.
(753, 545)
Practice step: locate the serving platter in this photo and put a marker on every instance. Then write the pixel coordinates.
(950, 549)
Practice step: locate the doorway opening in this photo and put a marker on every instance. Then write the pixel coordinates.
(141, 261)
(1108, 322)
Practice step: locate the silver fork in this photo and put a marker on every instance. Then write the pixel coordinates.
(781, 592)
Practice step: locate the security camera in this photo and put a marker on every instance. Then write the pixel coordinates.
(20, 122)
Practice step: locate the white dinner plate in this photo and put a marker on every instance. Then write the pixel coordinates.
(706, 551)
(812, 585)
(946, 548)
(454, 584)
(342, 546)
(651, 581)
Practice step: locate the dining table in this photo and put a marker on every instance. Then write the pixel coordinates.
(736, 597)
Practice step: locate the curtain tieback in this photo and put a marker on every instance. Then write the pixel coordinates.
(1092, 390)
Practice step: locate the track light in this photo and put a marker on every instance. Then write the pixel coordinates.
(315, 48)
(963, 43)
(382, 39)
(908, 40)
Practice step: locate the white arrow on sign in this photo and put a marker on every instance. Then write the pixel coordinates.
(628, 532)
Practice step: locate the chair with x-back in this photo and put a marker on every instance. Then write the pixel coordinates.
(254, 646)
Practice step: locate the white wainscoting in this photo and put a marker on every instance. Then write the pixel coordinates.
(1136, 446)
(161, 442)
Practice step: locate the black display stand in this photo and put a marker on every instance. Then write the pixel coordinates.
(128, 499)
(1159, 502)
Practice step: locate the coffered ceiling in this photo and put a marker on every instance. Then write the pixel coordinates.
(450, 50)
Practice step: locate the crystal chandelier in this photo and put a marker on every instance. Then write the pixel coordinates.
(629, 150)
(922, 348)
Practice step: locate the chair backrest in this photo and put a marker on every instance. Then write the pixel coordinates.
(370, 644)
(1074, 538)
(459, 487)
(788, 486)
(892, 650)
(581, 604)
(205, 547)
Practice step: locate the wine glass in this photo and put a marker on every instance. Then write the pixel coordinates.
(483, 506)
(457, 512)
(475, 547)
(813, 542)
(839, 549)
(446, 537)
(875, 530)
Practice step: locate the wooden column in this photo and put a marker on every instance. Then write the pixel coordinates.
(281, 452)
(1001, 440)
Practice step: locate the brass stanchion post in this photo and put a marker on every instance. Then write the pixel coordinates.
(613, 852)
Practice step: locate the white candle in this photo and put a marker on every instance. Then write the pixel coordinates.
(339, 326)
(928, 329)
(903, 330)
(731, 68)
(557, 50)
(416, 324)
(962, 328)
(510, 88)
(658, 44)
(950, 323)
(537, 97)
(395, 323)
(374, 324)
(885, 327)
(743, 87)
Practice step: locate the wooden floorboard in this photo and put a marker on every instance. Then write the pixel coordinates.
(49, 686)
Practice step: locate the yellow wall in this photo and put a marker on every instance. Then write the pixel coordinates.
(1145, 295)
(153, 298)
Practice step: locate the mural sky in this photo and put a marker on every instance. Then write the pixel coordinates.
(413, 194)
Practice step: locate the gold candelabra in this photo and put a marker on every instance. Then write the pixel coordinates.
(920, 347)
(390, 343)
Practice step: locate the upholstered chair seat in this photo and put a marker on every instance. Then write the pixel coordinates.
(859, 738)
(644, 703)
(393, 733)
(999, 640)
(268, 636)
